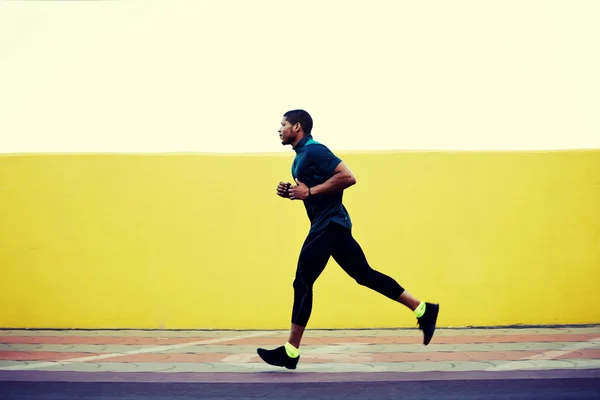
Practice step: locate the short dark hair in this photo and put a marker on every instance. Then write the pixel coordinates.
(294, 116)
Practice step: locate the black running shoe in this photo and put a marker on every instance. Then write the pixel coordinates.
(428, 320)
(278, 357)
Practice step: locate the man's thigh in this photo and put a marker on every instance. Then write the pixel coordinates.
(314, 256)
(349, 255)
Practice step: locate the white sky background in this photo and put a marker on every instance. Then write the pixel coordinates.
(216, 76)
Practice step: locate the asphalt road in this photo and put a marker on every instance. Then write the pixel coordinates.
(546, 389)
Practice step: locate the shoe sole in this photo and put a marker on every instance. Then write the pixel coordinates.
(437, 311)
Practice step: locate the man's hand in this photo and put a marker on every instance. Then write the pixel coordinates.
(299, 192)
(283, 190)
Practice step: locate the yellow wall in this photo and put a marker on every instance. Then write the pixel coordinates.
(201, 241)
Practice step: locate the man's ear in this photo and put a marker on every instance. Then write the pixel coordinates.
(297, 126)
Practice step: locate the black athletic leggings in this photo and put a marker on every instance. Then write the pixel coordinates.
(337, 242)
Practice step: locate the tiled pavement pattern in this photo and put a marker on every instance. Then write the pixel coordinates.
(332, 351)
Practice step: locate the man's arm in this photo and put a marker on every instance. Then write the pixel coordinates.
(341, 179)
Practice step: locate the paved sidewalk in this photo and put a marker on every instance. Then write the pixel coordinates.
(326, 355)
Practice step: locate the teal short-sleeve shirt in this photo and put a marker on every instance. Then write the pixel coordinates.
(314, 164)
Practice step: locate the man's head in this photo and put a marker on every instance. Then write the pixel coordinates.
(294, 126)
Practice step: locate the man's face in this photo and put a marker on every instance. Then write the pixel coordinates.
(287, 133)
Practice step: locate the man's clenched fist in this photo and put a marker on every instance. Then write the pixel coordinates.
(283, 189)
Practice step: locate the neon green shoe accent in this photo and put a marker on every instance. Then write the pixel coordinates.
(291, 350)
(420, 310)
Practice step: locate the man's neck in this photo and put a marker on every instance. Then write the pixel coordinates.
(298, 140)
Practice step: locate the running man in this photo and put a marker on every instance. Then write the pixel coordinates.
(321, 177)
